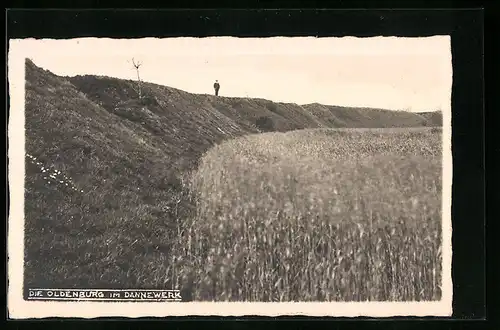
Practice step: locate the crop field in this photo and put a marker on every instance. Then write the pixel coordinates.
(315, 215)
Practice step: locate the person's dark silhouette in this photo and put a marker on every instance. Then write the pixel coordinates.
(216, 87)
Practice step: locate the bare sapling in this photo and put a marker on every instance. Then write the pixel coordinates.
(136, 66)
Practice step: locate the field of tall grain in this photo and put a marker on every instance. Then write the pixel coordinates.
(316, 215)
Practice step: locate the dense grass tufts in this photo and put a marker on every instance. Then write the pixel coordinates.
(318, 215)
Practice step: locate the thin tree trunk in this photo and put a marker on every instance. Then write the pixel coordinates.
(139, 83)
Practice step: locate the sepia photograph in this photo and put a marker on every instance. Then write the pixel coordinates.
(230, 176)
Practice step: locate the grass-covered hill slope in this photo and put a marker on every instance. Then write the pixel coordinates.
(104, 191)
(434, 118)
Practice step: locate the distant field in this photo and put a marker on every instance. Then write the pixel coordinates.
(317, 215)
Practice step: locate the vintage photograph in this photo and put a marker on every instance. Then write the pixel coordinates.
(230, 176)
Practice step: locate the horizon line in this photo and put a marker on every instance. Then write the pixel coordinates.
(240, 97)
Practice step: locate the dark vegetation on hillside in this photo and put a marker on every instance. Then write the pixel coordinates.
(265, 124)
(434, 118)
(126, 159)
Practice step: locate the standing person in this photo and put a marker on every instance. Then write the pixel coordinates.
(216, 87)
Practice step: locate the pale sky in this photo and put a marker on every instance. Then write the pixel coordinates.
(387, 72)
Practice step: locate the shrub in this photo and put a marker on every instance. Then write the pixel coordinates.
(147, 100)
(265, 124)
(271, 106)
